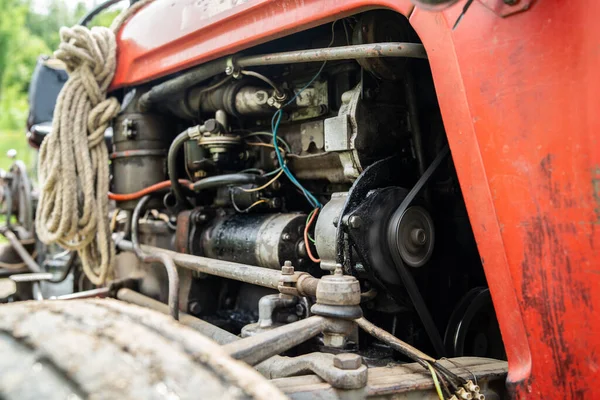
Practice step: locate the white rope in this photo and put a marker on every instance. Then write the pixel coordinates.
(74, 176)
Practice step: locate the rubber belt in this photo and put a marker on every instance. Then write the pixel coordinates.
(403, 273)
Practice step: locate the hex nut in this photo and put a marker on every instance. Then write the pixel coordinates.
(347, 361)
(287, 269)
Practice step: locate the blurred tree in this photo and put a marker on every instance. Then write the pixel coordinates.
(47, 25)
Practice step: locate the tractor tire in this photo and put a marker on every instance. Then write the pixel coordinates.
(106, 349)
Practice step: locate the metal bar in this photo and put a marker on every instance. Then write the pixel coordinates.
(372, 50)
(31, 277)
(150, 257)
(217, 334)
(225, 269)
(87, 294)
(177, 85)
(391, 340)
(262, 346)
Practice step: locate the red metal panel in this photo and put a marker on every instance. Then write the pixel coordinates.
(519, 98)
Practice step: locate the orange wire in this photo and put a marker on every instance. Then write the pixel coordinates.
(150, 189)
(306, 241)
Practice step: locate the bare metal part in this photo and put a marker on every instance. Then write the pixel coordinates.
(150, 257)
(323, 365)
(257, 348)
(32, 277)
(374, 50)
(268, 304)
(326, 230)
(400, 381)
(203, 72)
(21, 250)
(86, 294)
(225, 269)
(392, 341)
(217, 334)
(26, 257)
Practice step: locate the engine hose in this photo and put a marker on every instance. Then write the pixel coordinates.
(172, 168)
(224, 180)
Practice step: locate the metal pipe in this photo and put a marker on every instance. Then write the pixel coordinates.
(183, 82)
(217, 334)
(262, 346)
(87, 294)
(371, 50)
(175, 86)
(265, 277)
(150, 257)
(225, 269)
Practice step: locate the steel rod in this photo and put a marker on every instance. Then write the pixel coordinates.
(257, 348)
(371, 50)
(87, 294)
(225, 269)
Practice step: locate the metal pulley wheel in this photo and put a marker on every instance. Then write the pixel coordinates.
(412, 235)
(473, 327)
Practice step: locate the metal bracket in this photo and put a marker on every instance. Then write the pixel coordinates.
(321, 364)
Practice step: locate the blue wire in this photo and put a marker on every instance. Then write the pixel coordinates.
(275, 121)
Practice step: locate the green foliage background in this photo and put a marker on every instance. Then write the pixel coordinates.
(25, 35)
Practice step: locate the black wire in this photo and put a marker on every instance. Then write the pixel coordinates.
(68, 268)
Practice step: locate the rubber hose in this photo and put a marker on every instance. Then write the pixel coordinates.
(224, 180)
(172, 169)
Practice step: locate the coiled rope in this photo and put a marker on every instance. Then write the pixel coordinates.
(74, 175)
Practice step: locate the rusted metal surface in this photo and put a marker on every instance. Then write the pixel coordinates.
(257, 348)
(517, 96)
(225, 269)
(403, 381)
(376, 50)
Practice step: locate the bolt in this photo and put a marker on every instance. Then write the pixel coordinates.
(347, 361)
(355, 222)
(287, 269)
(299, 310)
(336, 221)
(129, 128)
(418, 236)
(211, 126)
(286, 237)
(229, 70)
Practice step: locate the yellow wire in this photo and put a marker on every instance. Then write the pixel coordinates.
(266, 185)
(256, 203)
(435, 381)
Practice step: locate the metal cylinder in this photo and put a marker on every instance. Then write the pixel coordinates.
(264, 240)
(237, 98)
(140, 144)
